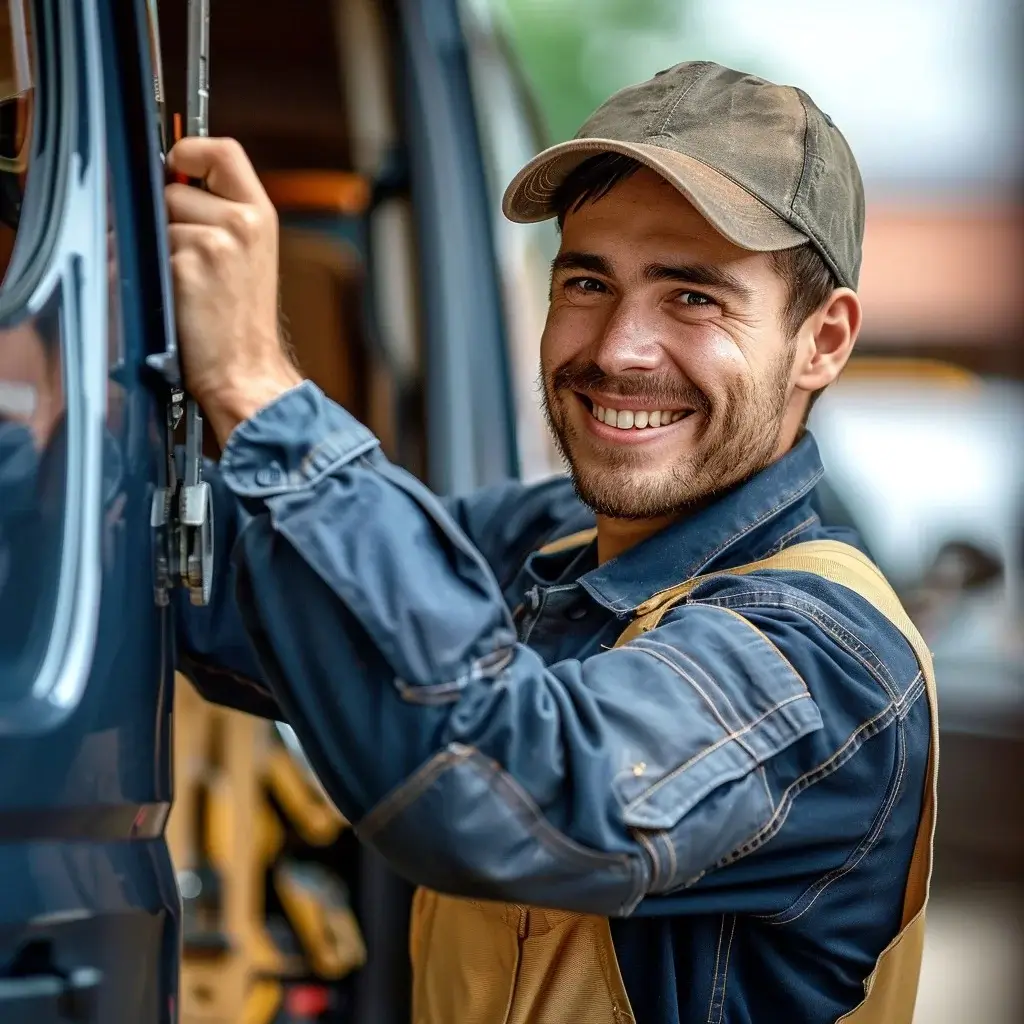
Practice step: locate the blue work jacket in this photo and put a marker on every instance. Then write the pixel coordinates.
(738, 790)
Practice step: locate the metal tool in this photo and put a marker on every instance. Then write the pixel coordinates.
(182, 511)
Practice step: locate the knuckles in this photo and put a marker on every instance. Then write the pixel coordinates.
(229, 150)
(247, 223)
(186, 267)
(215, 245)
(203, 252)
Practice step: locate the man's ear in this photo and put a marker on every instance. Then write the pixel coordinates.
(827, 341)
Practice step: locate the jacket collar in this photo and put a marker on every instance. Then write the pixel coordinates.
(742, 526)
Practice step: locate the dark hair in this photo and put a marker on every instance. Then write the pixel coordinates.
(809, 279)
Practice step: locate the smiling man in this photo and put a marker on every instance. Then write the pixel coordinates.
(653, 429)
(675, 768)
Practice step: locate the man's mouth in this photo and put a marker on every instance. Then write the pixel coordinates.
(634, 418)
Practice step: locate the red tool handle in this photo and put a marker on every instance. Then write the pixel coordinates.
(181, 179)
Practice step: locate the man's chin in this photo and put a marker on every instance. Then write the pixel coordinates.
(626, 493)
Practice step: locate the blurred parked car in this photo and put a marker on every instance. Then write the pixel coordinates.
(927, 462)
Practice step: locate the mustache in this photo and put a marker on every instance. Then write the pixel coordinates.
(659, 390)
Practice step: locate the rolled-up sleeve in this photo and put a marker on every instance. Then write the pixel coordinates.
(472, 765)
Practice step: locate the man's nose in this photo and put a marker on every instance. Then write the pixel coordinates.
(630, 341)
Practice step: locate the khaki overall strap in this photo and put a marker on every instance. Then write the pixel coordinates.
(891, 988)
(573, 540)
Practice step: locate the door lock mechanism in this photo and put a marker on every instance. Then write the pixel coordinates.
(182, 510)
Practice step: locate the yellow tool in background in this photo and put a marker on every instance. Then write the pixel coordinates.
(250, 823)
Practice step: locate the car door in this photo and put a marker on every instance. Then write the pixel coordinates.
(88, 905)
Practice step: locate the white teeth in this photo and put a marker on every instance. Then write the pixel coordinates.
(627, 419)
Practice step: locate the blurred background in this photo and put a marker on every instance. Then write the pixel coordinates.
(386, 132)
(923, 438)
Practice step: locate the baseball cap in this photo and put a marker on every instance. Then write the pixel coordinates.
(759, 161)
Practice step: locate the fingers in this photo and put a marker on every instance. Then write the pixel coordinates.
(248, 223)
(222, 164)
(189, 205)
(212, 245)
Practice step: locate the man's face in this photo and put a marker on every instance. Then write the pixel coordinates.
(665, 366)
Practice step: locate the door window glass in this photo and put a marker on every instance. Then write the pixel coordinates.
(33, 441)
(32, 494)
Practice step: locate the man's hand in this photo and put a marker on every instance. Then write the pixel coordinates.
(225, 267)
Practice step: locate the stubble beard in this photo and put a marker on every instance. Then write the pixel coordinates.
(732, 443)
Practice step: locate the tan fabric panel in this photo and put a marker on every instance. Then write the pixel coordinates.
(478, 962)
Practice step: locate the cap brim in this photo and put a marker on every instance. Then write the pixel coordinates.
(733, 211)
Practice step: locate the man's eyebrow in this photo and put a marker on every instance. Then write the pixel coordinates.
(570, 260)
(700, 274)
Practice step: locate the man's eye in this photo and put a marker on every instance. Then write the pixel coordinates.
(586, 285)
(695, 299)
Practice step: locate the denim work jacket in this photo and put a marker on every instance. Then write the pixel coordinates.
(738, 790)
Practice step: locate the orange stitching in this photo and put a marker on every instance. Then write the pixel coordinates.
(714, 746)
(794, 789)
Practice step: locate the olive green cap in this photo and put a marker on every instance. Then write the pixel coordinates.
(759, 161)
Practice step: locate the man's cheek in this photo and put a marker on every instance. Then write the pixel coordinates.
(568, 332)
(716, 367)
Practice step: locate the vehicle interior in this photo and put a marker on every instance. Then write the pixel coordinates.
(303, 913)
(327, 144)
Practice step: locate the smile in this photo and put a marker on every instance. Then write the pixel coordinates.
(633, 419)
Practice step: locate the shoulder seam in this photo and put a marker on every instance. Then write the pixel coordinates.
(790, 536)
(822, 617)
